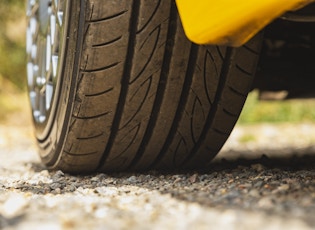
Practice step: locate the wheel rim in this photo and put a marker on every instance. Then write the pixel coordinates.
(44, 48)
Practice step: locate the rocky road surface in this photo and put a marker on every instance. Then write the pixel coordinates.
(264, 178)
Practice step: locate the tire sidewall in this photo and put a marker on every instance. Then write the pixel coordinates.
(52, 145)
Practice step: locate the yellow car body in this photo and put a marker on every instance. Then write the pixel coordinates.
(230, 22)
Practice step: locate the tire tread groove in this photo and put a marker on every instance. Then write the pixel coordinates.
(161, 86)
(106, 18)
(124, 83)
(181, 105)
(226, 67)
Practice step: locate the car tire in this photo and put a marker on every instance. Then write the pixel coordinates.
(125, 88)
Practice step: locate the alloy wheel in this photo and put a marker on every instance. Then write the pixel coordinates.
(44, 53)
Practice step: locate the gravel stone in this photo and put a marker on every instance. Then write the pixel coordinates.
(251, 185)
(132, 180)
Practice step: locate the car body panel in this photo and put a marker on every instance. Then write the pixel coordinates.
(230, 22)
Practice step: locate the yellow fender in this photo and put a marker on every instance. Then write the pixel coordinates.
(230, 22)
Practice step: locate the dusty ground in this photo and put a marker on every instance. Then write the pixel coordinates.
(263, 179)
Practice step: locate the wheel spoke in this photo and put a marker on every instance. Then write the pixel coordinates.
(52, 28)
(49, 94)
(54, 63)
(48, 53)
(60, 17)
(30, 72)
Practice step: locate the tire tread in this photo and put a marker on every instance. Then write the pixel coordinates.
(146, 97)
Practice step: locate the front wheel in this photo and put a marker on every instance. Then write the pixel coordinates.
(115, 85)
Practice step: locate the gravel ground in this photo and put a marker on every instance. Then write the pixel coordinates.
(264, 178)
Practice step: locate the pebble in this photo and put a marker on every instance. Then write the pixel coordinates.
(258, 167)
(132, 180)
(55, 185)
(266, 203)
(95, 179)
(14, 205)
(259, 184)
(254, 192)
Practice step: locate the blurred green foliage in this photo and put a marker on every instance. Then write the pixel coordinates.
(12, 42)
(291, 111)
